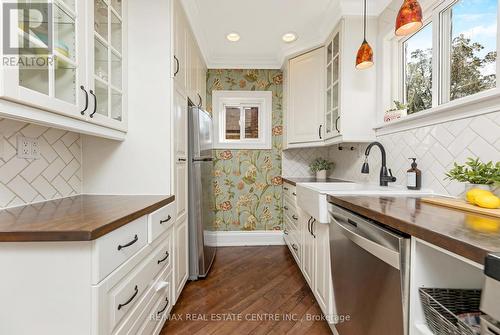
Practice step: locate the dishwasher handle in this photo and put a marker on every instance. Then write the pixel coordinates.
(348, 228)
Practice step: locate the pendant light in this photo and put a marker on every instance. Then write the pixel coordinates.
(409, 18)
(364, 58)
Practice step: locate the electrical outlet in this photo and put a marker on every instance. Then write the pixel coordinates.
(28, 148)
(35, 149)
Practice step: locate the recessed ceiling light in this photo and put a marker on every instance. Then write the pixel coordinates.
(233, 37)
(289, 37)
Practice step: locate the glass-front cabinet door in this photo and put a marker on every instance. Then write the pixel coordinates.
(44, 57)
(332, 112)
(106, 63)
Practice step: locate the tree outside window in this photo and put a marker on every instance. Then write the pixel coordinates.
(467, 55)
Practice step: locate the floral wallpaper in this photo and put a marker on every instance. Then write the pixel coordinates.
(247, 183)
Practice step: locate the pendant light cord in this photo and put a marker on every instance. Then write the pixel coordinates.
(364, 23)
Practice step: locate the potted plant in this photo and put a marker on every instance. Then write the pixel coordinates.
(320, 166)
(396, 112)
(476, 174)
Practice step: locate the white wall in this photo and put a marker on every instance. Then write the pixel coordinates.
(142, 163)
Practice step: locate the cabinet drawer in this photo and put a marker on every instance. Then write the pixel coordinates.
(113, 249)
(160, 220)
(124, 293)
(156, 315)
(291, 213)
(290, 191)
(154, 309)
(294, 246)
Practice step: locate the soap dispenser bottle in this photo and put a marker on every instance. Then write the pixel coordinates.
(413, 176)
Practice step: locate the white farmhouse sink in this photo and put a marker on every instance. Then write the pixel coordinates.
(312, 197)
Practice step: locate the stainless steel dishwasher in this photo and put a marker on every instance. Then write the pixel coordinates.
(370, 274)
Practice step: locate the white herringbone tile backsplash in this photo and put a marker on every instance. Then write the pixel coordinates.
(56, 174)
(435, 147)
(296, 161)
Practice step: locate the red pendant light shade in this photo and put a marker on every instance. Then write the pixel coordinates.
(409, 18)
(364, 58)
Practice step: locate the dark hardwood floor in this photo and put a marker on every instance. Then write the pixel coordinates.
(250, 290)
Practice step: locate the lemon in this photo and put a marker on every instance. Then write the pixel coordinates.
(482, 224)
(474, 192)
(487, 201)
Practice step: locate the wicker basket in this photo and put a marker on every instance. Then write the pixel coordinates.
(441, 307)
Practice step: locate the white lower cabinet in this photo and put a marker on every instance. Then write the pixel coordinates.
(309, 243)
(323, 286)
(66, 288)
(308, 266)
(181, 256)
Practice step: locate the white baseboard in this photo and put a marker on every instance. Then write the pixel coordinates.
(244, 238)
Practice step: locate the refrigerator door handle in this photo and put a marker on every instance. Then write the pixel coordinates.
(203, 159)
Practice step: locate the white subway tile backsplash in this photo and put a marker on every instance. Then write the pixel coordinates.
(56, 174)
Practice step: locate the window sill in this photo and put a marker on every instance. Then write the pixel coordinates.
(478, 104)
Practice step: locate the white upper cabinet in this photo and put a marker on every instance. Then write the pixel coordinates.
(327, 100)
(180, 47)
(69, 68)
(353, 93)
(51, 66)
(305, 99)
(332, 110)
(105, 55)
(188, 69)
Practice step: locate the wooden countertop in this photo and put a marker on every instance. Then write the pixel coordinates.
(78, 218)
(460, 232)
(294, 180)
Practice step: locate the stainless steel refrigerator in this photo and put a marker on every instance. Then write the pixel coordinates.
(202, 246)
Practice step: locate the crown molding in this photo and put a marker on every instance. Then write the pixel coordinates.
(333, 14)
(243, 63)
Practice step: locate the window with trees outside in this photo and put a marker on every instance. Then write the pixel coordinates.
(466, 50)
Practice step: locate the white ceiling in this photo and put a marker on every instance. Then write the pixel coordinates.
(261, 23)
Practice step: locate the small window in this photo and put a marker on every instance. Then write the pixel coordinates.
(242, 119)
(242, 122)
(469, 55)
(417, 53)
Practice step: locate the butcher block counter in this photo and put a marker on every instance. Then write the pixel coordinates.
(78, 218)
(469, 235)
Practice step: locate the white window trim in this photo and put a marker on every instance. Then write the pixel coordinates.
(477, 104)
(262, 99)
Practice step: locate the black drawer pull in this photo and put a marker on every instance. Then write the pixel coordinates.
(130, 299)
(166, 220)
(120, 247)
(294, 194)
(295, 217)
(285, 208)
(165, 258)
(294, 246)
(163, 309)
(285, 188)
(285, 232)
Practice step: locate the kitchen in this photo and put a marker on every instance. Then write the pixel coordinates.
(320, 167)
